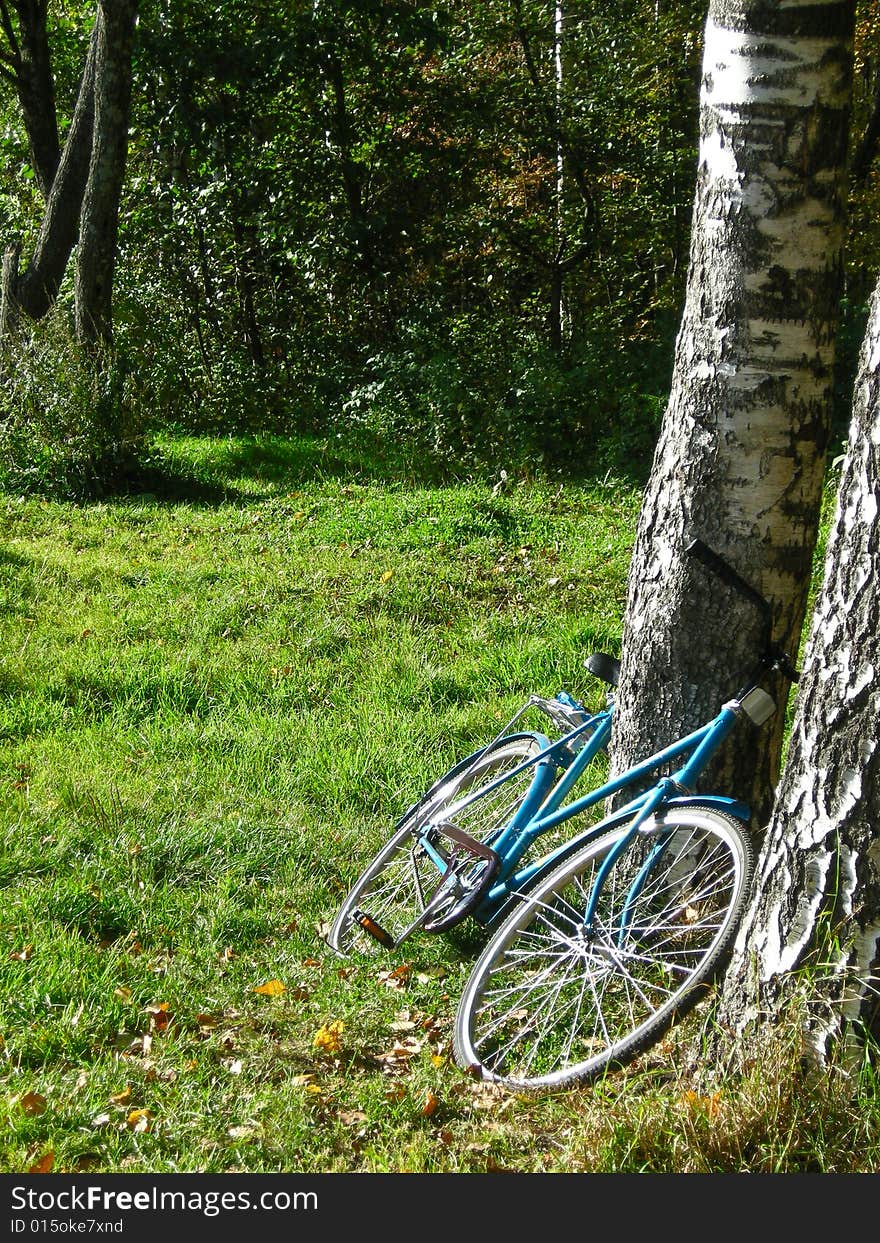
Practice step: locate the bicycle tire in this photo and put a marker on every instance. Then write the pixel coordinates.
(548, 1005)
(395, 882)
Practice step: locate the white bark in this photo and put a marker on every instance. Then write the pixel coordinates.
(741, 454)
(814, 923)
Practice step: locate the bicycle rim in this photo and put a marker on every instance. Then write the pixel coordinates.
(397, 885)
(550, 1003)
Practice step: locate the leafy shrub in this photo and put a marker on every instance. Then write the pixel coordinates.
(69, 425)
(480, 397)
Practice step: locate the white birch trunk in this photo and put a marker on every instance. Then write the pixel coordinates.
(817, 898)
(740, 459)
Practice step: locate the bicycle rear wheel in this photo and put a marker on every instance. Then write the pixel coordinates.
(550, 1003)
(397, 885)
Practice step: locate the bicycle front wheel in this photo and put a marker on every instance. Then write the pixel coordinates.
(552, 1002)
(394, 889)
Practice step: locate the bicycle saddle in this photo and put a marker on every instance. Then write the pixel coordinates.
(607, 668)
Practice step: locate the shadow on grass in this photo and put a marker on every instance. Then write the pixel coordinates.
(222, 470)
(177, 467)
(229, 469)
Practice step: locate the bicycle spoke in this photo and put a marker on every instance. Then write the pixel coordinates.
(552, 999)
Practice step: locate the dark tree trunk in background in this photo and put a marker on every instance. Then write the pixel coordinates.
(35, 289)
(27, 64)
(817, 898)
(741, 453)
(99, 220)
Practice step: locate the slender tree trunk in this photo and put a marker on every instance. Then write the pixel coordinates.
(34, 290)
(817, 897)
(246, 253)
(28, 65)
(741, 453)
(99, 220)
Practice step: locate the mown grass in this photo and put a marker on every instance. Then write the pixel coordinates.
(217, 696)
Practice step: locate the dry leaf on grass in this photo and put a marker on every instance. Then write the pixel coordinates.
(271, 988)
(32, 1103)
(328, 1039)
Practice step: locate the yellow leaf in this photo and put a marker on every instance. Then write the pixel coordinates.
(139, 1119)
(271, 988)
(329, 1038)
(123, 993)
(123, 1097)
(387, 576)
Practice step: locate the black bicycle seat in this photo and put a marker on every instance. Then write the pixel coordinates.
(607, 668)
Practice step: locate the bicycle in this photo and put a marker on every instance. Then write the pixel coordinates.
(598, 946)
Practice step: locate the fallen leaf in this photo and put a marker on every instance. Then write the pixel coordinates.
(123, 993)
(122, 1098)
(243, 1132)
(22, 955)
(139, 1119)
(33, 1103)
(396, 978)
(328, 1039)
(430, 1104)
(99, 1120)
(44, 1165)
(352, 1117)
(387, 576)
(271, 988)
(160, 1016)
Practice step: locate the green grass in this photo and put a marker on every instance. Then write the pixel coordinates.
(217, 696)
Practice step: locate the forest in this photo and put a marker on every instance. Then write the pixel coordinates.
(456, 233)
(367, 365)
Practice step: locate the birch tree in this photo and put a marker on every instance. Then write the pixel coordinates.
(813, 928)
(740, 458)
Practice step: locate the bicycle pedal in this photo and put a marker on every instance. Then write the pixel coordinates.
(376, 931)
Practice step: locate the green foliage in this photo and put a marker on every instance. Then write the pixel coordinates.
(478, 400)
(67, 427)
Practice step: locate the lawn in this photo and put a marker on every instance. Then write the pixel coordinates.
(218, 694)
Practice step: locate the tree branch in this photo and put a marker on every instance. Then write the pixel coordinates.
(866, 148)
(14, 58)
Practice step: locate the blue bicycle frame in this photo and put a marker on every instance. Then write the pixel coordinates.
(531, 821)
